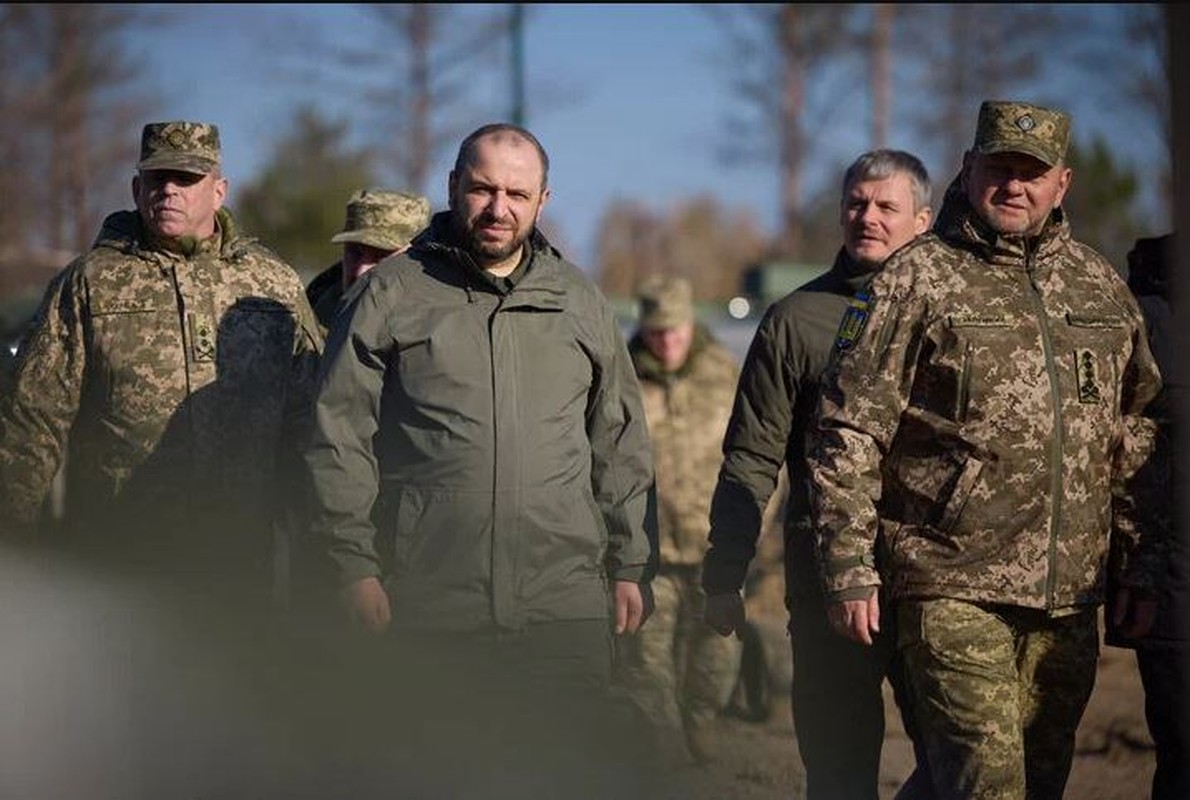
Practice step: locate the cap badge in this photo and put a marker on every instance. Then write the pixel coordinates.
(1025, 123)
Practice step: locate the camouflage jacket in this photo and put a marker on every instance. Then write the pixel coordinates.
(686, 412)
(169, 383)
(777, 397)
(985, 409)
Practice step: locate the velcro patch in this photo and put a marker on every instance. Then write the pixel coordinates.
(1087, 372)
(855, 319)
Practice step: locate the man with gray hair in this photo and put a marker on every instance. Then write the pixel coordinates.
(838, 706)
(982, 435)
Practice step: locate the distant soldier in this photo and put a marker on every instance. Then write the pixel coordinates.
(379, 224)
(174, 363)
(837, 689)
(981, 435)
(677, 670)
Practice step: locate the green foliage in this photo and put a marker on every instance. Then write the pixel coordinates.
(1102, 201)
(298, 201)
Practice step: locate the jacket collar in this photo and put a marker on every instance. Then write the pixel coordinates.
(124, 231)
(649, 367)
(542, 285)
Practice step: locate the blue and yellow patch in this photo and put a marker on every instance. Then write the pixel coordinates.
(855, 318)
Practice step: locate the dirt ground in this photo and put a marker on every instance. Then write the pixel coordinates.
(1114, 757)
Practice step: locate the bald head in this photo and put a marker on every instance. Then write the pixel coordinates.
(501, 133)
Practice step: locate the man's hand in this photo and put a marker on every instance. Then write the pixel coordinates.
(367, 604)
(630, 607)
(858, 620)
(725, 613)
(1135, 612)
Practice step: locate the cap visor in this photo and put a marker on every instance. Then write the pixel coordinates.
(195, 166)
(1021, 147)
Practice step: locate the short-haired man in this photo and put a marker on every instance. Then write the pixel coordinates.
(837, 699)
(172, 366)
(483, 473)
(985, 415)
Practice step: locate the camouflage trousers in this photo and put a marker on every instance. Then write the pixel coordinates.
(997, 692)
(676, 669)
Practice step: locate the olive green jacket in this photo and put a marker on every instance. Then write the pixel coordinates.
(773, 408)
(482, 451)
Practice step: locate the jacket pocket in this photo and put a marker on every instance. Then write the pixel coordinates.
(960, 493)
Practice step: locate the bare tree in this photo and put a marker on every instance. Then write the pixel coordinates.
(415, 67)
(883, 18)
(69, 95)
(776, 52)
(985, 51)
(698, 239)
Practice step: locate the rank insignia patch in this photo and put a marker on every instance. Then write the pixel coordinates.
(1088, 376)
(854, 320)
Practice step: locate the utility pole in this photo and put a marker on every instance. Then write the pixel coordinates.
(516, 26)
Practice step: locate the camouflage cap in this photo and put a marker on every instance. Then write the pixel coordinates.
(1016, 127)
(666, 302)
(183, 146)
(383, 219)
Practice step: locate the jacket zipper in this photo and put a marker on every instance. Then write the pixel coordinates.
(1056, 441)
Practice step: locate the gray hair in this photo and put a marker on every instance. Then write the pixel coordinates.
(876, 165)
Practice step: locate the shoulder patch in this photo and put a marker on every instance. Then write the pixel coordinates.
(855, 319)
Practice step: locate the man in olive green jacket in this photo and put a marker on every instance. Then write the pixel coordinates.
(480, 460)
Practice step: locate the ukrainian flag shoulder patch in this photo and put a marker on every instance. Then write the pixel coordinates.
(855, 318)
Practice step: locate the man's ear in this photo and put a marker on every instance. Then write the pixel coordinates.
(965, 170)
(220, 192)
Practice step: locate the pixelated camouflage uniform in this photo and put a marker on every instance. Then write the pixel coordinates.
(987, 417)
(677, 669)
(174, 384)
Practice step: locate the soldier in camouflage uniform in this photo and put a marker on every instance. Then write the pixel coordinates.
(379, 224)
(985, 412)
(677, 670)
(172, 367)
(837, 698)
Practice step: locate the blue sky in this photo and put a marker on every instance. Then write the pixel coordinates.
(629, 99)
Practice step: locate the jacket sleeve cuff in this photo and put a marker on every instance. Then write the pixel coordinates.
(355, 568)
(633, 573)
(846, 573)
(852, 593)
(720, 576)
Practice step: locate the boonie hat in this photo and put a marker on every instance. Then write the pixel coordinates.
(383, 219)
(183, 146)
(1017, 127)
(666, 302)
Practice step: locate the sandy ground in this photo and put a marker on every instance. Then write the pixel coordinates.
(1114, 757)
